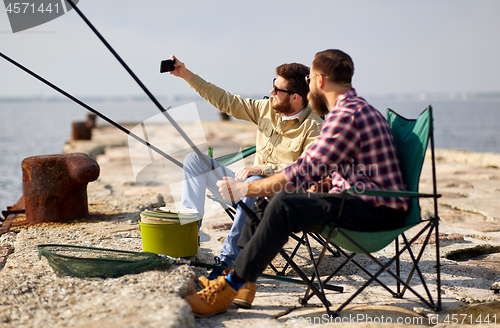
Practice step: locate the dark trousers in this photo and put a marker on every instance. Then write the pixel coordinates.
(294, 212)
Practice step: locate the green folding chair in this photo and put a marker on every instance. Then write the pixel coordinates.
(411, 137)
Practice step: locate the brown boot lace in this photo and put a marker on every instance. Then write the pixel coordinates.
(209, 294)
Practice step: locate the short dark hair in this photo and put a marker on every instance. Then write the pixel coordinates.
(295, 76)
(335, 64)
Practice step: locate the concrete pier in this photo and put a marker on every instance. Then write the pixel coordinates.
(33, 296)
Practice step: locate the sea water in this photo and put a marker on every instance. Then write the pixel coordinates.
(32, 127)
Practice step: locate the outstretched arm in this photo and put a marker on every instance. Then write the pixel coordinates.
(243, 109)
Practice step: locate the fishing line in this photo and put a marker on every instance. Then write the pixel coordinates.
(130, 133)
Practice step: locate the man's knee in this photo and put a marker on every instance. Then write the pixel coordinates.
(192, 162)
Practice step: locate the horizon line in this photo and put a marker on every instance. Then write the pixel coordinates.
(179, 97)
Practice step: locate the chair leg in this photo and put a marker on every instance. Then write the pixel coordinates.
(306, 280)
(278, 272)
(438, 263)
(297, 239)
(325, 245)
(433, 228)
(398, 272)
(321, 240)
(300, 241)
(282, 272)
(416, 268)
(315, 265)
(350, 258)
(383, 267)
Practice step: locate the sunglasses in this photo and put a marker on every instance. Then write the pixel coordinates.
(308, 78)
(286, 91)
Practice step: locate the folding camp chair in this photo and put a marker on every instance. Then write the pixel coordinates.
(411, 137)
(230, 209)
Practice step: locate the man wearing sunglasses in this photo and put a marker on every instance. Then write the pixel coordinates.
(286, 128)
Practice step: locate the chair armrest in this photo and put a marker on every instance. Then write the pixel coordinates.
(236, 156)
(390, 193)
(221, 201)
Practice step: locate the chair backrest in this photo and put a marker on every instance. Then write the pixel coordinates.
(411, 138)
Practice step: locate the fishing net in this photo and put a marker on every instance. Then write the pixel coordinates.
(80, 261)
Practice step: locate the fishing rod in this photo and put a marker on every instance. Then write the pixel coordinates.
(243, 206)
(61, 91)
(143, 87)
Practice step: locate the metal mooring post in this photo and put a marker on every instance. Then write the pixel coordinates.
(83, 130)
(55, 186)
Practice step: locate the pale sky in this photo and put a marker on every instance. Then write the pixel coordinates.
(398, 46)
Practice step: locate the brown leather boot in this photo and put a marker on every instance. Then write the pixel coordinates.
(215, 298)
(245, 296)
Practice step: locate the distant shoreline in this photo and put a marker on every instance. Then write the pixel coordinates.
(401, 96)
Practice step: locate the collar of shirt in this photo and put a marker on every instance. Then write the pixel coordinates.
(346, 94)
(286, 118)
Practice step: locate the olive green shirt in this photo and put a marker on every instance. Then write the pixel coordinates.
(279, 143)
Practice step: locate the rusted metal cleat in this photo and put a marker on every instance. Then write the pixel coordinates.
(83, 130)
(55, 186)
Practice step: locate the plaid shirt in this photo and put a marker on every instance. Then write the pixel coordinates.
(356, 149)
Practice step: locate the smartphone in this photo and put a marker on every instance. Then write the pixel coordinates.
(167, 65)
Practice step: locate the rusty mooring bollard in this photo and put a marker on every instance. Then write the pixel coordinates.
(83, 130)
(90, 123)
(55, 186)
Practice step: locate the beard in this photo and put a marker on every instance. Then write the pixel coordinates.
(318, 103)
(283, 106)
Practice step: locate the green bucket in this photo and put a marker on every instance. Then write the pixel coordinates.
(170, 238)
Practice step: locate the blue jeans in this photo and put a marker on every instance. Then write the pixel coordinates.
(197, 177)
(230, 249)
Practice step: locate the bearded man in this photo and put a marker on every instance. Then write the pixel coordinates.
(286, 127)
(354, 134)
